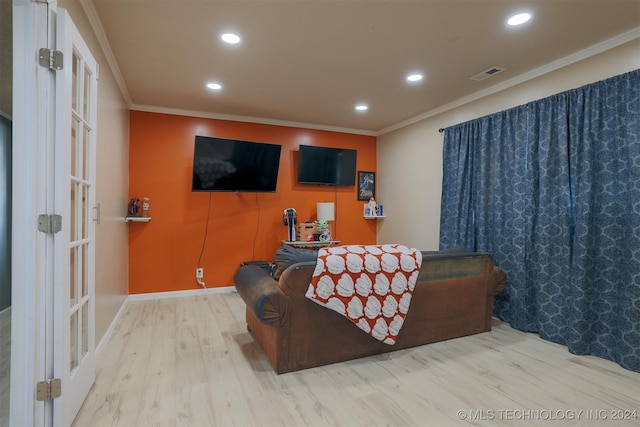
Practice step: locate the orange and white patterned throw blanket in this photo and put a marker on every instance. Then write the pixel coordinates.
(371, 285)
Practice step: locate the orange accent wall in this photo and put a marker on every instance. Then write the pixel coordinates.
(164, 253)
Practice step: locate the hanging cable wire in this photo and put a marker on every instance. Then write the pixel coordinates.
(206, 231)
(255, 236)
(335, 201)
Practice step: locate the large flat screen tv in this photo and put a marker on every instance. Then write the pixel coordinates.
(221, 164)
(326, 166)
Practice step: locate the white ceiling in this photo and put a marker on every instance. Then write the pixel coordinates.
(312, 61)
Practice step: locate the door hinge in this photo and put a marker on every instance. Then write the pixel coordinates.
(48, 390)
(49, 224)
(51, 59)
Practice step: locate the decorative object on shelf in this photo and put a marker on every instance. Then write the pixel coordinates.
(307, 231)
(372, 207)
(325, 231)
(372, 210)
(290, 219)
(145, 207)
(366, 185)
(326, 213)
(134, 207)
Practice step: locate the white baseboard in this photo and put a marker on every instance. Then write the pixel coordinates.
(156, 296)
(109, 332)
(181, 294)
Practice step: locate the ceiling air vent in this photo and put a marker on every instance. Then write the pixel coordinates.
(487, 73)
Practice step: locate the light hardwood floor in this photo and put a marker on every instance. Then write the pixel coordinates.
(191, 362)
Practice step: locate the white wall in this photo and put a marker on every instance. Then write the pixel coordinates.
(409, 179)
(112, 182)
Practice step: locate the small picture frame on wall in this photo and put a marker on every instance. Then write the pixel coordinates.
(366, 185)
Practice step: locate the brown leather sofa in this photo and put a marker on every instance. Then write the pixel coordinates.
(453, 297)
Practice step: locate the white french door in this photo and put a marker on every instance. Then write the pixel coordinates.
(53, 173)
(74, 248)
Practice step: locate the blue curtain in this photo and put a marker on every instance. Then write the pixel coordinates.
(552, 190)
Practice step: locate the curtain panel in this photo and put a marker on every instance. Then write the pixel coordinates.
(551, 190)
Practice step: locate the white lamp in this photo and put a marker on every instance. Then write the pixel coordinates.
(326, 212)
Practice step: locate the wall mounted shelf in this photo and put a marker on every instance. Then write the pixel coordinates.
(137, 219)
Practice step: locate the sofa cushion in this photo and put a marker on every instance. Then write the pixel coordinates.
(452, 250)
(288, 255)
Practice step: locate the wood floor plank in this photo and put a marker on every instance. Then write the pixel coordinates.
(157, 405)
(191, 362)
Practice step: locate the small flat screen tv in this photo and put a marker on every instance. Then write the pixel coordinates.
(221, 164)
(326, 165)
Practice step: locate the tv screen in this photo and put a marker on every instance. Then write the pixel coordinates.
(221, 164)
(325, 165)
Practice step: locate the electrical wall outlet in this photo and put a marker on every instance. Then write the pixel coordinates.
(199, 273)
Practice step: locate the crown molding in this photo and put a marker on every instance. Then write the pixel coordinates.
(103, 41)
(247, 119)
(530, 75)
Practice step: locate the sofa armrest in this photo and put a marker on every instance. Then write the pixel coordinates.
(261, 294)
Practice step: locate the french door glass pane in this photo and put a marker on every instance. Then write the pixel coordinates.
(85, 152)
(85, 327)
(85, 270)
(74, 148)
(72, 212)
(73, 295)
(85, 211)
(74, 83)
(86, 98)
(74, 340)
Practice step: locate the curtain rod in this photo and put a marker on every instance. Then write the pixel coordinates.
(441, 130)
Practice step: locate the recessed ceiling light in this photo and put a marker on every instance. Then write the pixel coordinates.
(214, 86)
(230, 38)
(415, 77)
(519, 19)
(362, 107)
